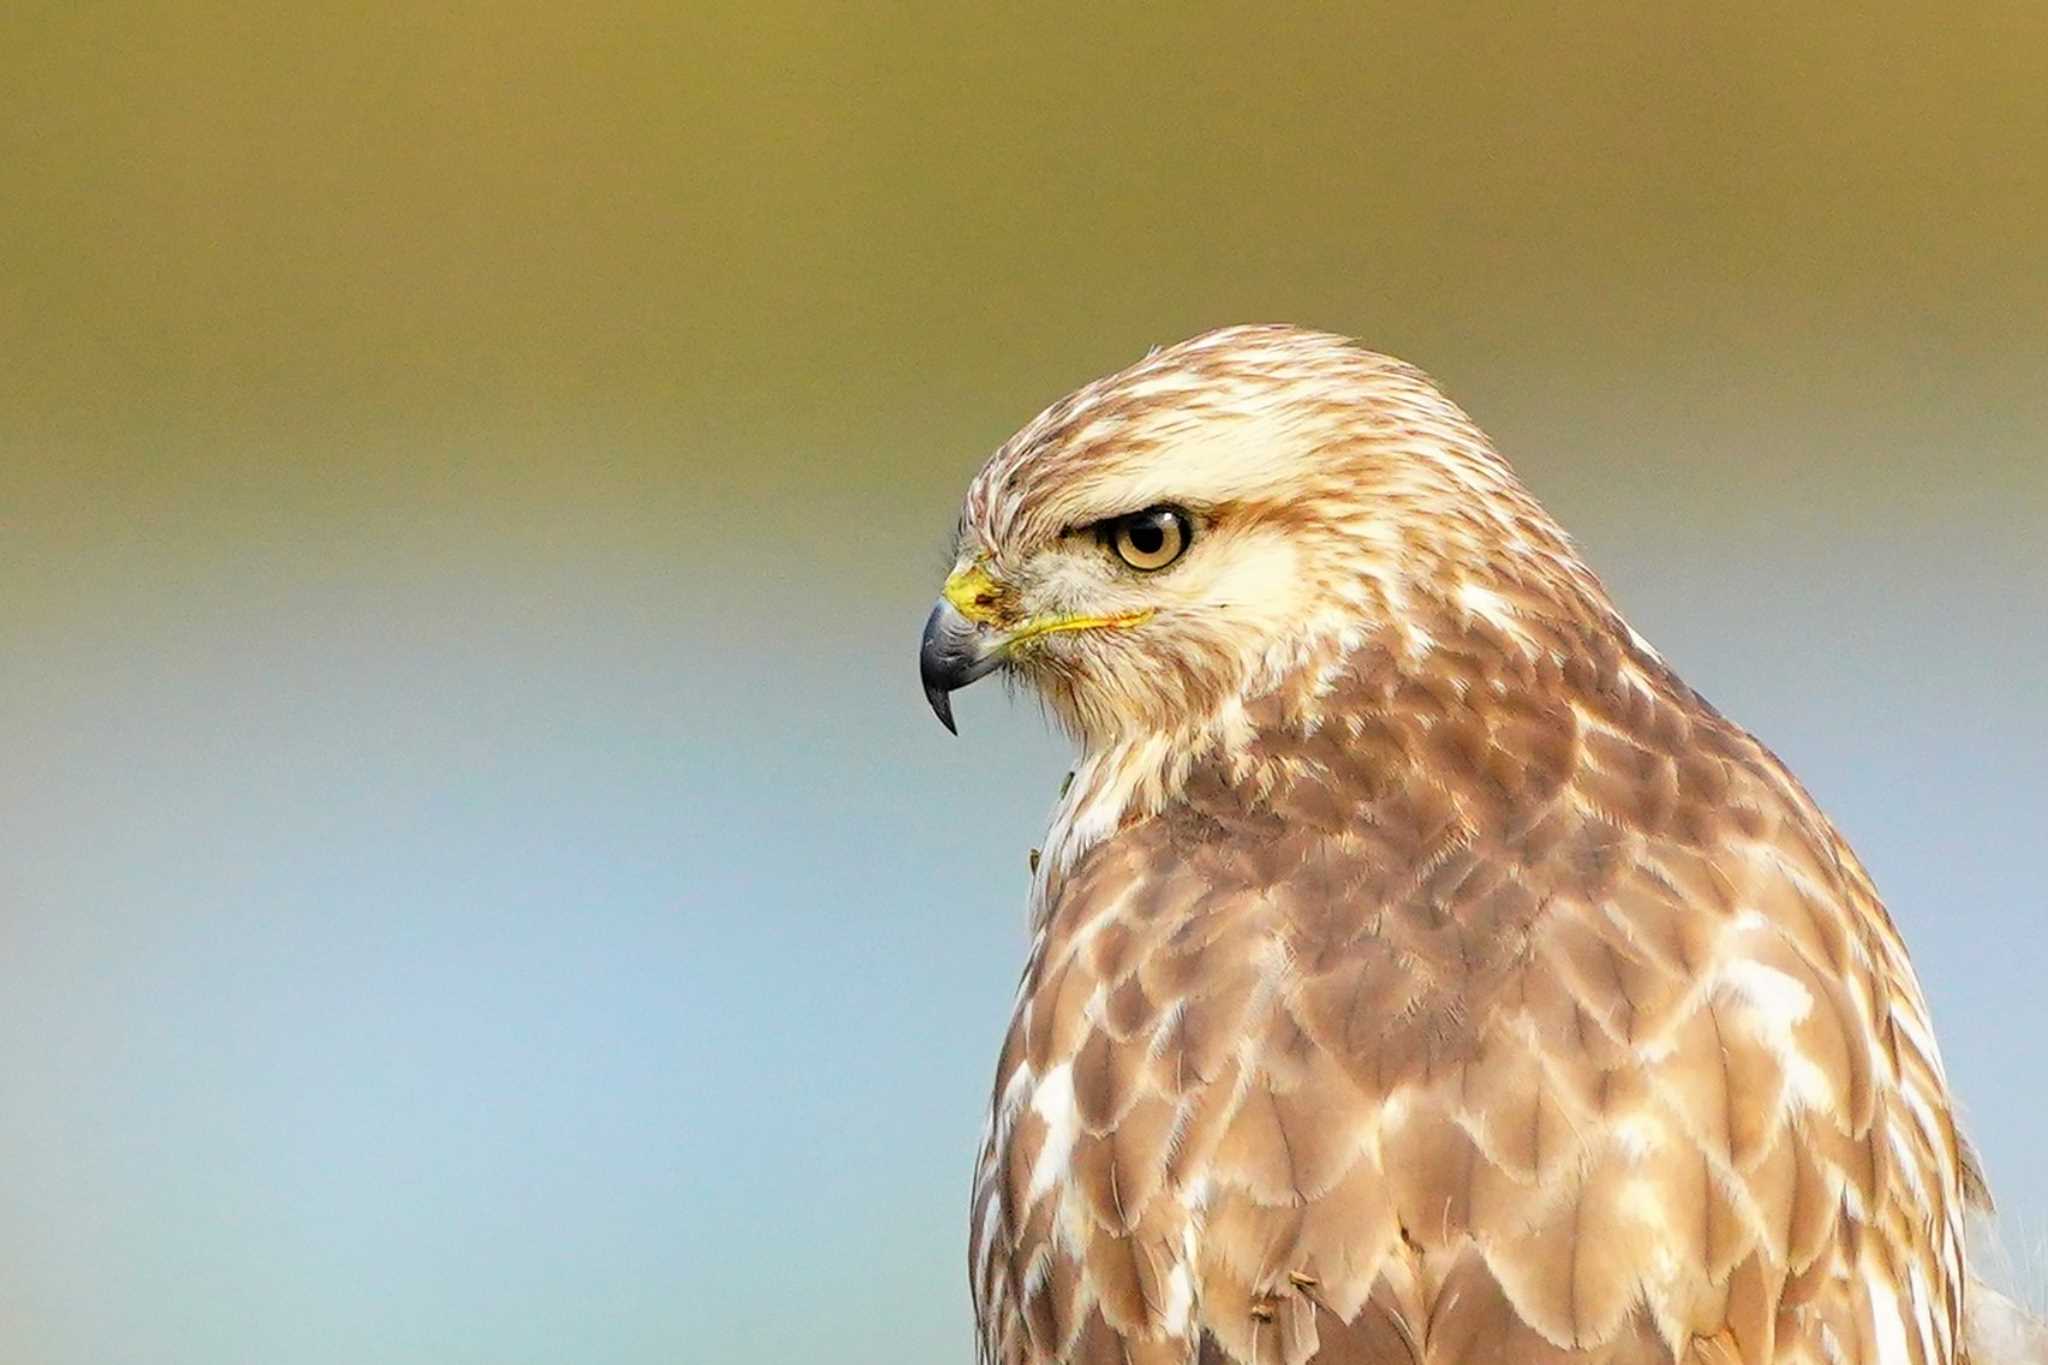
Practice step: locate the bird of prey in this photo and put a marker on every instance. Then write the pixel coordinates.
(1420, 971)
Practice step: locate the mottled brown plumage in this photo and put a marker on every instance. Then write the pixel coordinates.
(1420, 971)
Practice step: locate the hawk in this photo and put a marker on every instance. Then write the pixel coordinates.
(1420, 971)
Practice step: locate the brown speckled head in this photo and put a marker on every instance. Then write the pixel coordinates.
(1326, 490)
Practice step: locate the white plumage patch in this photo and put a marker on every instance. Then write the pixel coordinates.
(1888, 1323)
(1775, 1005)
(1053, 1101)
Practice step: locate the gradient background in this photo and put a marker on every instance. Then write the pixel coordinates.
(481, 882)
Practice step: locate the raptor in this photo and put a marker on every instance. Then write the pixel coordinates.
(1420, 971)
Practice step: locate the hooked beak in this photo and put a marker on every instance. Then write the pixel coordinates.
(975, 628)
(955, 652)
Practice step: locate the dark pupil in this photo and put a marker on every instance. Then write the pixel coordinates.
(1148, 537)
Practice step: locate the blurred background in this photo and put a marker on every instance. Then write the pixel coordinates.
(481, 883)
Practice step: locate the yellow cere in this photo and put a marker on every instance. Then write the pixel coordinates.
(1049, 625)
(980, 598)
(974, 594)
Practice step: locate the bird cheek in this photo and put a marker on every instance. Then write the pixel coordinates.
(1075, 654)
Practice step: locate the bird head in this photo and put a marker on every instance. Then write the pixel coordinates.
(1182, 534)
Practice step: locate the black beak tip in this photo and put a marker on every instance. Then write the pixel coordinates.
(953, 653)
(938, 663)
(942, 707)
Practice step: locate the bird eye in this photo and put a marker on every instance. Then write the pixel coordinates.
(1152, 539)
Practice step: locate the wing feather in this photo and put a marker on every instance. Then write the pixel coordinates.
(1488, 1023)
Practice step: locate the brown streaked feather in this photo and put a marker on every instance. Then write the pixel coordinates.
(1465, 989)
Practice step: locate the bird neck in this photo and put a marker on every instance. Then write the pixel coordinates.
(1484, 647)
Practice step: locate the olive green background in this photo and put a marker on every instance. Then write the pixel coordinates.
(480, 883)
